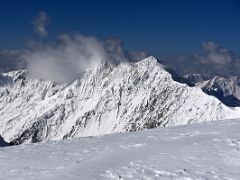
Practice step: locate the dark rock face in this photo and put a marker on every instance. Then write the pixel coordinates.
(3, 143)
(229, 100)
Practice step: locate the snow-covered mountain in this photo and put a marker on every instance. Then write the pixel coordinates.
(110, 98)
(226, 89)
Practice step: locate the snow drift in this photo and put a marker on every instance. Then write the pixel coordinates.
(206, 151)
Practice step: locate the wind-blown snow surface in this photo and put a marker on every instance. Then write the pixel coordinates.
(200, 151)
(110, 98)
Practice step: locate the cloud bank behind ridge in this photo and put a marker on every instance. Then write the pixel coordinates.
(64, 59)
(215, 60)
(71, 54)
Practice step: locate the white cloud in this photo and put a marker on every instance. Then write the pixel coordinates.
(65, 59)
(215, 60)
(40, 23)
(69, 56)
(217, 55)
(11, 60)
(10, 53)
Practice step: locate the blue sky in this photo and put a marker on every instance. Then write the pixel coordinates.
(160, 27)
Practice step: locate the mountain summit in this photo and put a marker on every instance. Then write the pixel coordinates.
(110, 98)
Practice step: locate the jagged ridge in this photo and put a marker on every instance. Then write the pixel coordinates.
(110, 98)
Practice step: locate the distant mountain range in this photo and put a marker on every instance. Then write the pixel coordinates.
(226, 89)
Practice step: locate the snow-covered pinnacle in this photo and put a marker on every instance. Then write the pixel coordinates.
(111, 98)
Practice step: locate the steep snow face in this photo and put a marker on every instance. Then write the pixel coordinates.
(110, 98)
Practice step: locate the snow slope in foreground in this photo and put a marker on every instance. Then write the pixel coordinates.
(201, 151)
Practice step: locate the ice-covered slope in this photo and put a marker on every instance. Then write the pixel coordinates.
(110, 98)
(209, 151)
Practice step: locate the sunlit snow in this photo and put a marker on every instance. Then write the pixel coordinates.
(201, 151)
